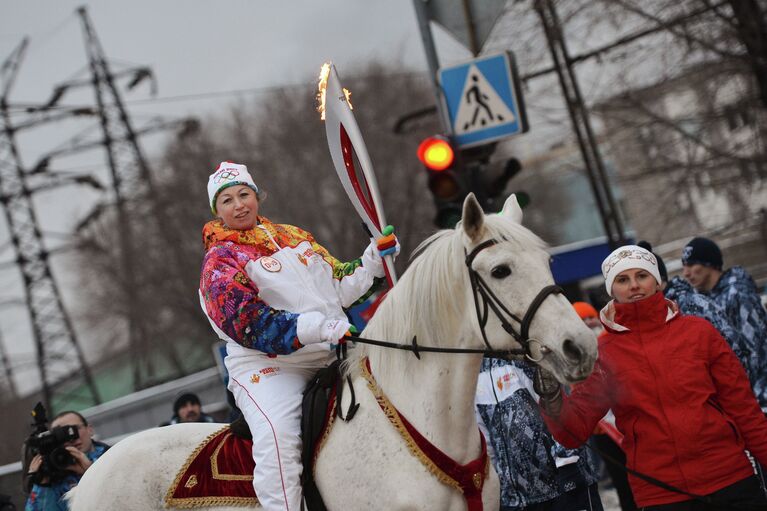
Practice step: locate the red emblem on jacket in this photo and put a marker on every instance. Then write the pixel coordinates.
(270, 264)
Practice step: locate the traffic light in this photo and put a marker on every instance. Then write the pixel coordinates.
(494, 180)
(453, 174)
(446, 183)
(436, 153)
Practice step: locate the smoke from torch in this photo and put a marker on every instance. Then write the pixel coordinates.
(321, 88)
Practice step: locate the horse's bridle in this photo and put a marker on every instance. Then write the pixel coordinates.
(480, 289)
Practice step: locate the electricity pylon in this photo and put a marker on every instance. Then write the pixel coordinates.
(132, 182)
(59, 355)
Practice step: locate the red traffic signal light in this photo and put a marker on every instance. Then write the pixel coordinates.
(447, 184)
(436, 153)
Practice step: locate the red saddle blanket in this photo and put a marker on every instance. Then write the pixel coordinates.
(219, 472)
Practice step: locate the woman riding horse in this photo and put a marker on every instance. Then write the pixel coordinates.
(484, 286)
(277, 297)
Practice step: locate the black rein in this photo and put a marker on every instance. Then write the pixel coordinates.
(489, 301)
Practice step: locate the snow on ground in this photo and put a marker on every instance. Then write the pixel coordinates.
(609, 499)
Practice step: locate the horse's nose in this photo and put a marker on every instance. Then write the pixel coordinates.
(572, 352)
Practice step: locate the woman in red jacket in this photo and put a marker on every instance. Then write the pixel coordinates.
(680, 396)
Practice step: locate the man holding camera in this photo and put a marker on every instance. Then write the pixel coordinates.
(49, 482)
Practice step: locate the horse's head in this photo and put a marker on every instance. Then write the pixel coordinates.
(515, 275)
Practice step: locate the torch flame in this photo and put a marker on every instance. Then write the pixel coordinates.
(322, 86)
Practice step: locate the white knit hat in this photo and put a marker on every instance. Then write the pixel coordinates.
(625, 258)
(229, 174)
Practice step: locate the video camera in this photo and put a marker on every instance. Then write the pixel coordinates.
(49, 443)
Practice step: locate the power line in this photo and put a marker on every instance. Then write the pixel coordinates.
(308, 85)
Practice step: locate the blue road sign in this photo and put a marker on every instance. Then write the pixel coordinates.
(483, 100)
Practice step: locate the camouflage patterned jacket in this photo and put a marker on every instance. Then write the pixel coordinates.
(733, 306)
(531, 465)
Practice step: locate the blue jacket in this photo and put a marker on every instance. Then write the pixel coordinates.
(734, 308)
(531, 465)
(51, 497)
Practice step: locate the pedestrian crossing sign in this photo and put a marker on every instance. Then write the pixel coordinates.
(483, 100)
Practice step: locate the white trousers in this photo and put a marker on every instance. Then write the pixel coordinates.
(268, 392)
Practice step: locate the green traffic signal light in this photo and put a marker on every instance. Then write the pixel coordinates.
(447, 217)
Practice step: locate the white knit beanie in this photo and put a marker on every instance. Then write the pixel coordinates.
(625, 258)
(229, 174)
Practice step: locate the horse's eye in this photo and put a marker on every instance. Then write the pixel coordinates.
(500, 272)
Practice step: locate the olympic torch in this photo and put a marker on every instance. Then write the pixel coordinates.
(344, 141)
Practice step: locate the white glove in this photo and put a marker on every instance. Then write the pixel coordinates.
(314, 327)
(334, 329)
(372, 260)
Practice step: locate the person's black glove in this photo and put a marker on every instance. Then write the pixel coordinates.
(549, 390)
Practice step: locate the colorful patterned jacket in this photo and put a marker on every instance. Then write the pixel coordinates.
(734, 308)
(268, 287)
(531, 465)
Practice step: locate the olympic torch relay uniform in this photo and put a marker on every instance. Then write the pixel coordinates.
(265, 290)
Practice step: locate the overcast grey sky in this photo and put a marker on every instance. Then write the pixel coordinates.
(198, 46)
(201, 52)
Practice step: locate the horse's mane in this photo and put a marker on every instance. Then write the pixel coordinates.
(429, 300)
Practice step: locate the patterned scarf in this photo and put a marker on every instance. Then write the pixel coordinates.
(216, 231)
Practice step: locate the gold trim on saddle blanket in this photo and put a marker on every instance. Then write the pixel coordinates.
(214, 466)
(394, 417)
(206, 501)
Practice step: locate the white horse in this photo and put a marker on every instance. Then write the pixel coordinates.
(372, 462)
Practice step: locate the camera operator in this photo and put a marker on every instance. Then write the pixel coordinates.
(48, 489)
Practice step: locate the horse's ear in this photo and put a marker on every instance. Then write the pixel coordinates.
(473, 218)
(512, 210)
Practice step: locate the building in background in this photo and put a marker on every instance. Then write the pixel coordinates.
(689, 153)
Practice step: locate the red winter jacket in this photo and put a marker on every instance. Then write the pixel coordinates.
(680, 397)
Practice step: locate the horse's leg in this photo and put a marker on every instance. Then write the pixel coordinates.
(491, 491)
(271, 405)
(370, 459)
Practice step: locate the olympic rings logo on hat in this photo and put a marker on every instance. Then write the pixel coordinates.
(226, 174)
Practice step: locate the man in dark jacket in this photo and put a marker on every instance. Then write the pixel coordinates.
(47, 493)
(187, 408)
(725, 297)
